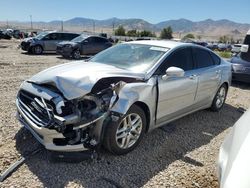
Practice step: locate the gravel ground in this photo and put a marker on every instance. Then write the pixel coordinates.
(185, 157)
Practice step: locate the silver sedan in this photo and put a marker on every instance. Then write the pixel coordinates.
(120, 94)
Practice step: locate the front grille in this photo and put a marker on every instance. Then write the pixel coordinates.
(25, 45)
(35, 110)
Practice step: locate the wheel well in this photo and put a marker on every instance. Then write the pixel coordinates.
(225, 84)
(145, 108)
(32, 48)
(38, 45)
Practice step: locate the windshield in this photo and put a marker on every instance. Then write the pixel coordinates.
(41, 35)
(79, 39)
(134, 57)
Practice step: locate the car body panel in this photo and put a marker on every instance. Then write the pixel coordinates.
(233, 162)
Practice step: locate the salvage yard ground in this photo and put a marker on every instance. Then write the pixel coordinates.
(183, 157)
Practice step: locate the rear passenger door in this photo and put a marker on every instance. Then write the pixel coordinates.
(51, 40)
(87, 46)
(209, 74)
(97, 45)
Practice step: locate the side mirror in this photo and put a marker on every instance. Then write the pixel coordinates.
(244, 48)
(173, 72)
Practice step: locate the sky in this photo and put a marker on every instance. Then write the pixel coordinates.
(153, 11)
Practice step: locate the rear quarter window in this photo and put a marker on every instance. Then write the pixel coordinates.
(215, 58)
(202, 58)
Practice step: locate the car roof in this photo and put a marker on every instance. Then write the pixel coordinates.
(160, 43)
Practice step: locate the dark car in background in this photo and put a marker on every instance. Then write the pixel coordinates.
(83, 45)
(241, 62)
(46, 41)
(5, 34)
(240, 69)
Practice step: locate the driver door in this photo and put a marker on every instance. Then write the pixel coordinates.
(176, 94)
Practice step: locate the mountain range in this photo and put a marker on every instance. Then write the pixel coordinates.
(207, 27)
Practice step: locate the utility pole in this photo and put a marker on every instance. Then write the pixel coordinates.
(93, 26)
(113, 24)
(31, 24)
(62, 25)
(7, 23)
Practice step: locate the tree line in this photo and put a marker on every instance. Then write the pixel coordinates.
(166, 33)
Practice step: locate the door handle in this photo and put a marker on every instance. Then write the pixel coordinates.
(192, 77)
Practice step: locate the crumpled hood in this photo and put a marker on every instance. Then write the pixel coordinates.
(76, 79)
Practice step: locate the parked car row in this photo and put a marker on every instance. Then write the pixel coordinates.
(219, 47)
(45, 41)
(66, 44)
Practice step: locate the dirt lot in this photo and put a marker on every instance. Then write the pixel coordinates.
(185, 157)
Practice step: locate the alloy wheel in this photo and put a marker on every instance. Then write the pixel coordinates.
(129, 131)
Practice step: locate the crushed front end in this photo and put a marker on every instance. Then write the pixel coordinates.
(65, 125)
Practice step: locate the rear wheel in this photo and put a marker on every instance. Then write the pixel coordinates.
(37, 50)
(124, 135)
(76, 54)
(219, 98)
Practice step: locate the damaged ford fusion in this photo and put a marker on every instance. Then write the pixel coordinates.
(117, 96)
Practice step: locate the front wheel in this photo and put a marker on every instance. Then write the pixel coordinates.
(37, 50)
(76, 54)
(124, 135)
(219, 98)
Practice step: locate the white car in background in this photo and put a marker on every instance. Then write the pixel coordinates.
(236, 48)
(234, 156)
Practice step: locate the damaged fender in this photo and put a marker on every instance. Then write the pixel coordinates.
(134, 92)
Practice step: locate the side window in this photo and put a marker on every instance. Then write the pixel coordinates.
(96, 39)
(71, 36)
(215, 58)
(90, 39)
(52, 36)
(101, 40)
(181, 58)
(65, 36)
(202, 58)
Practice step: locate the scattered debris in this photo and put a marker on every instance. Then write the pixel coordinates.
(17, 164)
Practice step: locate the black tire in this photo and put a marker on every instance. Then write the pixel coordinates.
(110, 138)
(216, 105)
(76, 54)
(37, 50)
